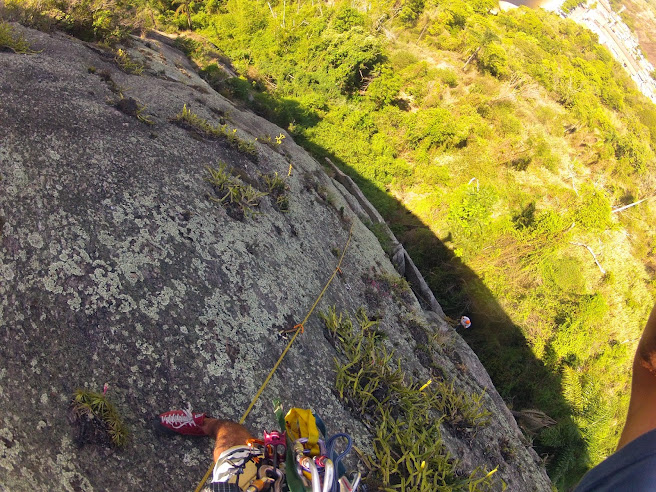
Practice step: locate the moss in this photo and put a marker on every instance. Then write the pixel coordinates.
(380, 231)
(386, 285)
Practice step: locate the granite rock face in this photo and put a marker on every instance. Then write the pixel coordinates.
(117, 266)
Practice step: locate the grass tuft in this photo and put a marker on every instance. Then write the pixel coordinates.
(127, 64)
(278, 189)
(404, 415)
(232, 193)
(96, 408)
(206, 129)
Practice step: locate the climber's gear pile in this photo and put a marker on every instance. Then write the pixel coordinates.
(294, 460)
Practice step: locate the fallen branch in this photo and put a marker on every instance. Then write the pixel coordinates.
(471, 57)
(619, 209)
(601, 269)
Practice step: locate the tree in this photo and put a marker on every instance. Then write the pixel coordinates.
(184, 9)
(494, 60)
(481, 40)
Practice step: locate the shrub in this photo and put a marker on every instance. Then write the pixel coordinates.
(347, 18)
(89, 20)
(411, 10)
(494, 60)
(9, 40)
(433, 127)
(384, 88)
(470, 209)
(565, 273)
(594, 211)
(351, 56)
(449, 77)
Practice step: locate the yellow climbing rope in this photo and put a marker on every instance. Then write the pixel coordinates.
(298, 329)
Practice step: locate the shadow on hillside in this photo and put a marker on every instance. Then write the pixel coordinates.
(523, 381)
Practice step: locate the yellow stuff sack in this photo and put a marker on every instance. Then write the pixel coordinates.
(299, 423)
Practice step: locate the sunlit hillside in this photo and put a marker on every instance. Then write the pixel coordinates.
(640, 15)
(500, 148)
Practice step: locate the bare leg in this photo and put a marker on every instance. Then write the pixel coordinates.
(227, 434)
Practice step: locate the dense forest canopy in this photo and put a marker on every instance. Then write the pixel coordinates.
(498, 146)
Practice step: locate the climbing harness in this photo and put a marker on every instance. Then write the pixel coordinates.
(297, 330)
(233, 462)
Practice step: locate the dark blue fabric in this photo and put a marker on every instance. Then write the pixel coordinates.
(632, 468)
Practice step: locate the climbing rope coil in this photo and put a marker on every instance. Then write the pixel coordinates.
(295, 459)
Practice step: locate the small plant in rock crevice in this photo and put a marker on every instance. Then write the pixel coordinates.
(127, 64)
(239, 199)
(205, 129)
(98, 420)
(132, 107)
(278, 189)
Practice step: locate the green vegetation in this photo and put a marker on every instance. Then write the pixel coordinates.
(9, 40)
(132, 107)
(570, 5)
(554, 133)
(109, 22)
(101, 413)
(206, 129)
(278, 190)
(493, 145)
(240, 199)
(127, 64)
(404, 415)
(380, 231)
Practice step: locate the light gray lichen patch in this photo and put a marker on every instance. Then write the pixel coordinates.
(7, 273)
(35, 240)
(10, 449)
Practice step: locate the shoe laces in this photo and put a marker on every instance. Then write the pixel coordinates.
(180, 420)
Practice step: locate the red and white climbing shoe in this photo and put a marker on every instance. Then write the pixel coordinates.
(182, 422)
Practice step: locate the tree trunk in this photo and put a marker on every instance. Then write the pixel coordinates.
(472, 57)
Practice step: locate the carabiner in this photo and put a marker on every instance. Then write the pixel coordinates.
(328, 475)
(308, 463)
(266, 471)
